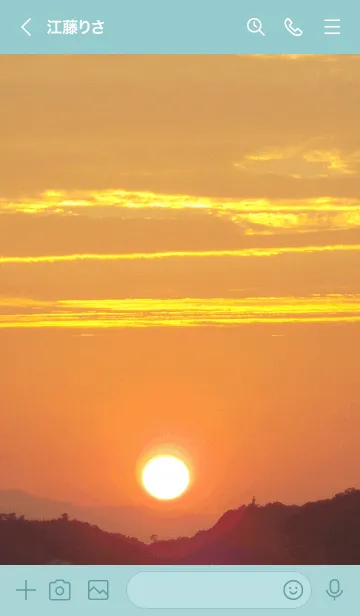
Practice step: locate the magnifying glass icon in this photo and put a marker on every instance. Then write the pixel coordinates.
(254, 25)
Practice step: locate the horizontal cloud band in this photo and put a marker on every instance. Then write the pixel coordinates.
(182, 312)
(254, 215)
(246, 252)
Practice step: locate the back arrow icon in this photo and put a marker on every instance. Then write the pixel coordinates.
(24, 28)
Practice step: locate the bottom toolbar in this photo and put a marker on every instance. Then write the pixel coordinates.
(128, 589)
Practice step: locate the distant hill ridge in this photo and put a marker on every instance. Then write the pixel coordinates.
(321, 532)
(127, 520)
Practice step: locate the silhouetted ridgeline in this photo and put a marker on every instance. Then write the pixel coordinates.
(323, 532)
(70, 541)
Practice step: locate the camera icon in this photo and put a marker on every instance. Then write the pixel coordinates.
(59, 590)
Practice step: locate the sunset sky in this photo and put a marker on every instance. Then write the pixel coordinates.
(179, 264)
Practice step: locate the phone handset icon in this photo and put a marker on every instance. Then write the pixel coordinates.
(288, 23)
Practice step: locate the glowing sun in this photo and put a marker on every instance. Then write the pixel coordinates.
(165, 477)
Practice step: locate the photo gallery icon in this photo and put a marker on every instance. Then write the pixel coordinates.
(98, 590)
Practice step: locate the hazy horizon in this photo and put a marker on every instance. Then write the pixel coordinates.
(129, 521)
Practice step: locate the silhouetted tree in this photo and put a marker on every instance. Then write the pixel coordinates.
(64, 517)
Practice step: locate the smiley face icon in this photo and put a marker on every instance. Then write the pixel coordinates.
(293, 590)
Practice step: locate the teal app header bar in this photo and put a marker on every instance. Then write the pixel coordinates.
(180, 27)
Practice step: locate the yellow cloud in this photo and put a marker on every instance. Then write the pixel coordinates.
(333, 160)
(301, 161)
(176, 254)
(183, 312)
(325, 213)
(273, 154)
(52, 201)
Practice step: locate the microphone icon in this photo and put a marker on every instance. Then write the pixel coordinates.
(334, 591)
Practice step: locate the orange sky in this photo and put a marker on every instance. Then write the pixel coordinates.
(179, 263)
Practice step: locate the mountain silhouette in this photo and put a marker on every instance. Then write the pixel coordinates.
(127, 520)
(325, 532)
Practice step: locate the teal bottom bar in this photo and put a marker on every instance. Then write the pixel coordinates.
(46, 590)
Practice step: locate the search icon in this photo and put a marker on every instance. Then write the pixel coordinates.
(254, 25)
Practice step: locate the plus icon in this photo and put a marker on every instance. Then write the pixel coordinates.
(26, 590)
